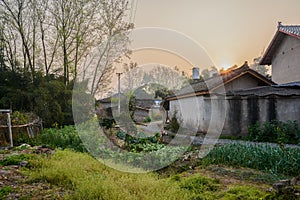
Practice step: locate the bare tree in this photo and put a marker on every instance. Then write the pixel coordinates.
(55, 35)
(111, 31)
(167, 77)
(17, 14)
(48, 44)
(9, 38)
(133, 76)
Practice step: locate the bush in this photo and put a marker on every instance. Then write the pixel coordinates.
(66, 137)
(276, 132)
(107, 123)
(141, 138)
(147, 119)
(174, 123)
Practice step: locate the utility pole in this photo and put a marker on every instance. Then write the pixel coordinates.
(119, 93)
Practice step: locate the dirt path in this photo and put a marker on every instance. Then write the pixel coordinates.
(151, 128)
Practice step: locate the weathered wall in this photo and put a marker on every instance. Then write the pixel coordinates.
(286, 62)
(233, 114)
(243, 82)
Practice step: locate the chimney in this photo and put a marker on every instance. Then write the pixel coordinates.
(196, 75)
(213, 73)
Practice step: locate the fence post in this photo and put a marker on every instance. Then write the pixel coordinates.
(9, 130)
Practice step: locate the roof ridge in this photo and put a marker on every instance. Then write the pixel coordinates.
(289, 26)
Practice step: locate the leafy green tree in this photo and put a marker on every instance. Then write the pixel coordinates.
(163, 92)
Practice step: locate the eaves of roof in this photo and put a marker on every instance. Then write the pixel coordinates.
(226, 79)
(281, 33)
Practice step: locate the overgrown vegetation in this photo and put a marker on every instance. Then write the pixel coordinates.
(64, 138)
(265, 157)
(86, 178)
(276, 132)
(89, 179)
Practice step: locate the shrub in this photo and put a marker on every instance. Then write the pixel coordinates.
(66, 137)
(107, 123)
(147, 119)
(174, 123)
(277, 132)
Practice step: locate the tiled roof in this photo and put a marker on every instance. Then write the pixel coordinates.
(292, 30)
(281, 33)
(141, 103)
(208, 86)
(292, 84)
(268, 91)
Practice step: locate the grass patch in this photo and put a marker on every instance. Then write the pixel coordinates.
(4, 151)
(15, 159)
(201, 187)
(89, 179)
(4, 191)
(86, 178)
(243, 192)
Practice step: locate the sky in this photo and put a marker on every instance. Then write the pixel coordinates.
(229, 32)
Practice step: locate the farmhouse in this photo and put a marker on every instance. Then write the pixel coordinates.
(212, 105)
(142, 110)
(283, 54)
(240, 97)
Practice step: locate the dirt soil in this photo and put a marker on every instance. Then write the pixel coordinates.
(15, 182)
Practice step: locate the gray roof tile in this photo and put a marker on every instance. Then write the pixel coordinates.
(294, 30)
